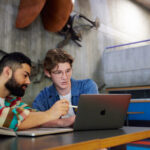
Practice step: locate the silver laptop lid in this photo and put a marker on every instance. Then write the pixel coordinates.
(42, 131)
(101, 111)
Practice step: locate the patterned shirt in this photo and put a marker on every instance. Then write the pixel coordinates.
(13, 113)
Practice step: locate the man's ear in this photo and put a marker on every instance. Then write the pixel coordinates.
(7, 72)
(47, 73)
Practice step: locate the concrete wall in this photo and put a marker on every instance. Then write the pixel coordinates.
(122, 21)
(127, 67)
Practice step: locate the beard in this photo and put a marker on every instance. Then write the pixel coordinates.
(15, 88)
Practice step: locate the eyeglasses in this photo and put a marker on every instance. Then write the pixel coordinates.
(60, 73)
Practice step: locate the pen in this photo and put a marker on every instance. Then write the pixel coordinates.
(73, 106)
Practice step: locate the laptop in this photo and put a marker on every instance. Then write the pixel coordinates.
(42, 131)
(33, 132)
(101, 111)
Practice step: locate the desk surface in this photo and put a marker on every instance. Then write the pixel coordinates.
(76, 140)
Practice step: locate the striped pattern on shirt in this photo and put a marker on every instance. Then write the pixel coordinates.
(14, 112)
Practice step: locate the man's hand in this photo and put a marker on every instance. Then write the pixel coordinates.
(67, 122)
(35, 119)
(60, 108)
(63, 122)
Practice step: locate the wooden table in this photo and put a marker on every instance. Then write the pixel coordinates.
(89, 140)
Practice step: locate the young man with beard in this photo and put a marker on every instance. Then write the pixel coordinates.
(15, 70)
(58, 67)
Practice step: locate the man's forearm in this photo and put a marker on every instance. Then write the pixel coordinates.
(63, 122)
(54, 123)
(35, 119)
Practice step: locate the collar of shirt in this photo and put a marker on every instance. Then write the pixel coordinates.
(2, 102)
(74, 89)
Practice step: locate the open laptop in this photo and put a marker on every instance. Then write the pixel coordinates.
(101, 111)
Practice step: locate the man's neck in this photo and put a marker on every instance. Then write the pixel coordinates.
(64, 91)
(3, 92)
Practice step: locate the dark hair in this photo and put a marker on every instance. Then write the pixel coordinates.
(56, 56)
(14, 60)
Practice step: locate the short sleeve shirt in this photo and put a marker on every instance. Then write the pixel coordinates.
(13, 112)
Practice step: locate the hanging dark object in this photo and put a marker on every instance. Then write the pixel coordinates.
(77, 23)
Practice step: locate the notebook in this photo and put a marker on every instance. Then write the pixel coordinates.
(101, 111)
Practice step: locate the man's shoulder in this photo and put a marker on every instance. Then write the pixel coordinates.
(12, 98)
(47, 91)
(83, 81)
(48, 88)
(82, 84)
(85, 86)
